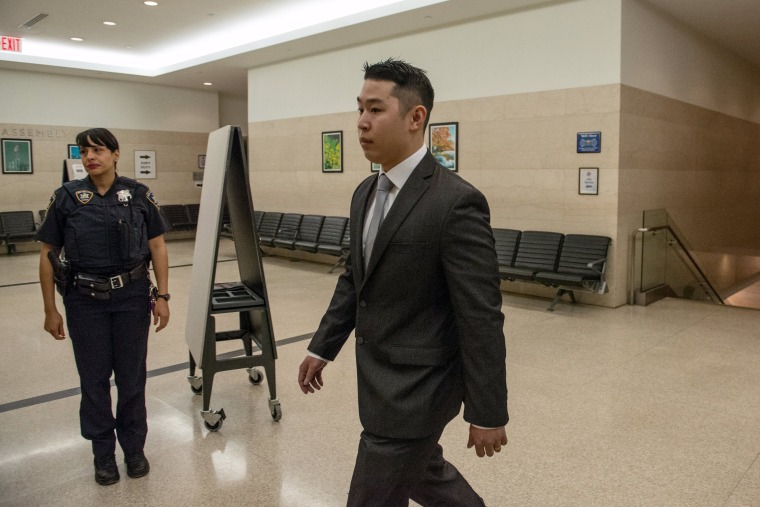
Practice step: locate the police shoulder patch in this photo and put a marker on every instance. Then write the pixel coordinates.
(52, 200)
(84, 196)
(152, 198)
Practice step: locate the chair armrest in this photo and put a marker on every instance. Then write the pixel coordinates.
(592, 265)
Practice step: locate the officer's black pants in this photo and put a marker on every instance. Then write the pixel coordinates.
(111, 336)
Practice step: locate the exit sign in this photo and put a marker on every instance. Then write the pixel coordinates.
(10, 44)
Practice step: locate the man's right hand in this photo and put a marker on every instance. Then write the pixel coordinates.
(310, 374)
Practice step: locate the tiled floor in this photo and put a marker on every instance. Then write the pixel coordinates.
(636, 406)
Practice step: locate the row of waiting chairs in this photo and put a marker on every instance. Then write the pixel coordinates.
(566, 262)
(17, 226)
(329, 235)
(292, 231)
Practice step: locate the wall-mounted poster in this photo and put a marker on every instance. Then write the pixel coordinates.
(589, 142)
(444, 144)
(74, 152)
(332, 152)
(588, 180)
(17, 156)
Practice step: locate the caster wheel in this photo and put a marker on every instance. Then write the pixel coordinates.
(255, 377)
(276, 412)
(197, 390)
(213, 427)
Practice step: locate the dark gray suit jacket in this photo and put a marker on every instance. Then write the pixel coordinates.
(427, 311)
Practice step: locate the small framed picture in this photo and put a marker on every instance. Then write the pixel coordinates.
(375, 167)
(74, 152)
(332, 152)
(201, 161)
(444, 144)
(17, 156)
(588, 180)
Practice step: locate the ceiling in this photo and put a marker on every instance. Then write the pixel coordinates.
(188, 42)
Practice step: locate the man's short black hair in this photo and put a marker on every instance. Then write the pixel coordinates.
(412, 84)
(97, 137)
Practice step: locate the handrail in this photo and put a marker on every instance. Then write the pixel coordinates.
(693, 264)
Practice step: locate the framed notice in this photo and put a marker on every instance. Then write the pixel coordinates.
(588, 180)
(589, 142)
(444, 144)
(73, 152)
(332, 152)
(17, 156)
(145, 165)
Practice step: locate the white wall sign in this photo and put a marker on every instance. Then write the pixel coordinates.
(145, 165)
(588, 180)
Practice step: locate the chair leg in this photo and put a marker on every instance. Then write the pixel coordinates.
(340, 262)
(558, 297)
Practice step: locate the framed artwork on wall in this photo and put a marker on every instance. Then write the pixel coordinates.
(74, 151)
(17, 156)
(444, 144)
(332, 152)
(375, 167)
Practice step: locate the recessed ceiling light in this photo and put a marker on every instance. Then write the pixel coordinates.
(109, 23)
(207, 83)
(77, 39)
(152, 4)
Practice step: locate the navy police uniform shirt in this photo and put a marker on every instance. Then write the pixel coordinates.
(103, 234)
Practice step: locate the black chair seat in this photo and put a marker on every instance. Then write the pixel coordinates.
(306, 246)
(284, 243)
(557, 279)
(336, 250)
(513, 273)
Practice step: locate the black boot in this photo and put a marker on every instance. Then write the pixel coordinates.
(106, 471)
(137, 465)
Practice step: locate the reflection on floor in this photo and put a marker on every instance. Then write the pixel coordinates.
(636, 406)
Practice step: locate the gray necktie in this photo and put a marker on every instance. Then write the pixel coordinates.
(381, 196)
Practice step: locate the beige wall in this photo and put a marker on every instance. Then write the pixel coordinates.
(703, 167)
(176, 159)
(519, 150)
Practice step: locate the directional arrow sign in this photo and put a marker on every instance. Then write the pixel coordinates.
(145, 165)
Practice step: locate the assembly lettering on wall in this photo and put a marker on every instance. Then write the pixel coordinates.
(34, 132)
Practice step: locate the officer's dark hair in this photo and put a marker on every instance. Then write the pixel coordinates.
(97, 137)
(412, 86)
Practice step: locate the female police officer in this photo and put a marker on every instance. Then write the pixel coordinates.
(109, 227)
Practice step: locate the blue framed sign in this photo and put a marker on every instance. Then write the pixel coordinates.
(589, 142)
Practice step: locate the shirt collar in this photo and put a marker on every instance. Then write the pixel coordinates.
(401, 172)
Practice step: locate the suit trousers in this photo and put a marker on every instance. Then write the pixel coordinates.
(111, 336)
(389, 472)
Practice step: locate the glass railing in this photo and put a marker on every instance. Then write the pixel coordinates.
(663, 264)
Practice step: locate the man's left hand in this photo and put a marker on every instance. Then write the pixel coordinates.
(487, 441)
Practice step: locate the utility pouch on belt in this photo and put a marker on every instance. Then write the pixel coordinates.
(98, 287)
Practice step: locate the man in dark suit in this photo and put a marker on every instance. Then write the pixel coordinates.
(423, 297)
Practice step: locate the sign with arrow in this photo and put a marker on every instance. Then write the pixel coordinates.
(145, 165)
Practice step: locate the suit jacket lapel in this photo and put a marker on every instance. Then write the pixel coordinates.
(405, 201)
(359, 210)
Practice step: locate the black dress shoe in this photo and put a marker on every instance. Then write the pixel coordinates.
(106, 471)
(137, 465)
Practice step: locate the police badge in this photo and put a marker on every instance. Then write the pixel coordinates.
(84, 196)
(123, 196)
